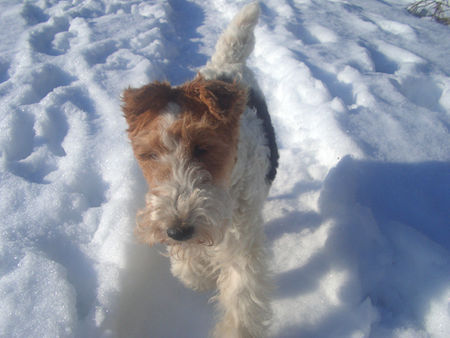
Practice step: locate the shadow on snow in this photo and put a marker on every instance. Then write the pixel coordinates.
(390, 235)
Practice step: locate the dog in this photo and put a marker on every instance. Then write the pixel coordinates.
(208, 153)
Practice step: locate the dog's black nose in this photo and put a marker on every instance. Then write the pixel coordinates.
(180, 233)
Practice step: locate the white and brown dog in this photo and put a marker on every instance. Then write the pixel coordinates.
(207, 150)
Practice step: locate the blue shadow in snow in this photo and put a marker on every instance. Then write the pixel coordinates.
(187, 17)
(415, 194)
(391, 234)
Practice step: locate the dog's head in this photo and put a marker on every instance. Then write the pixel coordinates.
(185, 140)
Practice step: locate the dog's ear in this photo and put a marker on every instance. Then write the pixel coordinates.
(149, 99)
(152, 97)
(224, 100)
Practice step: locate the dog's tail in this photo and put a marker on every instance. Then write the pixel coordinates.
(237, 41)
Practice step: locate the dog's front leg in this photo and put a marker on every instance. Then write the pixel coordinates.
(244, 290)
(193, 270)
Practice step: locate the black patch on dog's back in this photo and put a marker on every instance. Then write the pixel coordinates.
(257, 102)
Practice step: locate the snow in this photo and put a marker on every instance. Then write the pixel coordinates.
(358, 216)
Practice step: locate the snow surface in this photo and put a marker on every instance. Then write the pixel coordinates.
(358, 219)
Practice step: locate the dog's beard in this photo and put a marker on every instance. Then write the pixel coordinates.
(190, 198)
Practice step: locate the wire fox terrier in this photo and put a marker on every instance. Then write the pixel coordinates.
(208, 153)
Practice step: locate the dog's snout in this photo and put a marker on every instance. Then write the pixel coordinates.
(180, 233)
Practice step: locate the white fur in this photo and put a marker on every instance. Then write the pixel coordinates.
(230, 217)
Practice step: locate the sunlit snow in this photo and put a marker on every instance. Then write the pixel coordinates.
(358, 219)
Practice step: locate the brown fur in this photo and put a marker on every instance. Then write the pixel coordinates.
(207, 128)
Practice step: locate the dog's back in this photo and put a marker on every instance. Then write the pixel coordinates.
(228, 64)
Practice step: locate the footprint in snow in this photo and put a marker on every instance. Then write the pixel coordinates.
(389, 59)
(42, 38)
(43, 81)
(33, 14)
(424, 92)
(382, 63)
(52, 124)
(97, 53)
(17, 137)
(18, 146)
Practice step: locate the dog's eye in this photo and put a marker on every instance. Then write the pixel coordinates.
(199, 151)
(150, 156)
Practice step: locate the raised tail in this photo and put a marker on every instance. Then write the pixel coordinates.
(236, 42)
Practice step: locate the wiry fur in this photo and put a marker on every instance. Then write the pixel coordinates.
(205, 156)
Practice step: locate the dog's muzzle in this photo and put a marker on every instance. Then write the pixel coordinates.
(180, 233)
